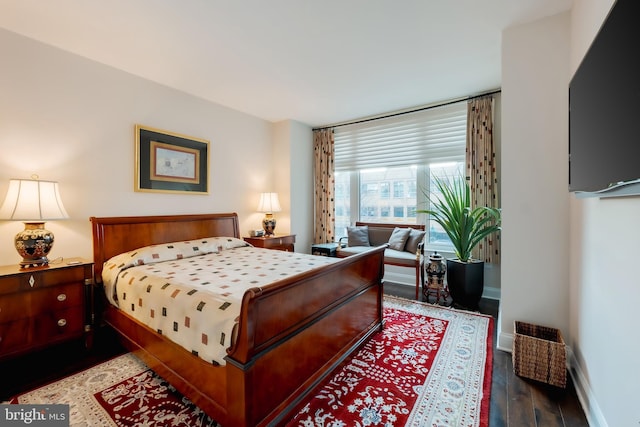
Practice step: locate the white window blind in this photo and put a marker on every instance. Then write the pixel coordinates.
(429, 136)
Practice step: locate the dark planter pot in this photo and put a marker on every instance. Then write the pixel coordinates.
(466, 282)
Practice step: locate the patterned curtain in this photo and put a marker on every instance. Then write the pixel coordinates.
(481, 169)
(323, 151)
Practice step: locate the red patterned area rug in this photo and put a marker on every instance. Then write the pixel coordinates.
(119, 392)
(430, 366)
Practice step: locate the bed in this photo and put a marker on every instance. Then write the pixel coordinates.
(291, 334)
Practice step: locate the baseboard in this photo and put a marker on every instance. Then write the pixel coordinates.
(585, 395)
(410, 280)
(505, 340)
(590, 406)
(399, 277)
(491, 293)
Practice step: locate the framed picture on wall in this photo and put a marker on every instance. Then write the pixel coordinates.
(170, 162)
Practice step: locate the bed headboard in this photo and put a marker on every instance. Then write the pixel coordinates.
(115, 235)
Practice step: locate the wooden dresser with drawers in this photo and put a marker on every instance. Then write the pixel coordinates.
(42, 306)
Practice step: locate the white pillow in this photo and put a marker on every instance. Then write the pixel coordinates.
(398, 238)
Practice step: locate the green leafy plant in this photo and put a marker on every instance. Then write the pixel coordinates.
(451, 208)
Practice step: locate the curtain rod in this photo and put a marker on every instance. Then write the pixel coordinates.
(442, 104)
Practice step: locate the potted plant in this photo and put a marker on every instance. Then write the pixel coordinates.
(466, 227)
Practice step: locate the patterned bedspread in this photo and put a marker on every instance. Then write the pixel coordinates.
(191, 292)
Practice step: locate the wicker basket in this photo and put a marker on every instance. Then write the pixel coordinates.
(539, 353)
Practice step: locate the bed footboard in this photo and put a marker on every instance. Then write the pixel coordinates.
(297, 332)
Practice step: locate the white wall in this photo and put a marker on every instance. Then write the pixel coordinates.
(568, 263)
(293, 163)
(302, 195)
(535, 201)
(605, 288)
(72, 120)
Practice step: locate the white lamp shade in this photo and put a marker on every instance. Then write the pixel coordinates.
(32, 200)
(269, 203)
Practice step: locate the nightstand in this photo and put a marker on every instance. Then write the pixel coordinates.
(281, 243)
(42, 306)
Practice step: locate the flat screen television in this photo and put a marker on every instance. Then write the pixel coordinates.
(604, 107)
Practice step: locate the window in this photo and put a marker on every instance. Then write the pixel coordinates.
(437, 236)
(398, 189)
(411, 185)
(385, 167)
(384, 190)
(370, 189)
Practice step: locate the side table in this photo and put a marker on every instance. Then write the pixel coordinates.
(41, 306)
(324, 249)
(281, 243)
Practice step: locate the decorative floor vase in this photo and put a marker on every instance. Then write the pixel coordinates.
(466, 282)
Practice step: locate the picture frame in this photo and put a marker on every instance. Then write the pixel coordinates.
(169, 162)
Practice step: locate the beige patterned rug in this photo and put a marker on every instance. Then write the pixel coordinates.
(430, 366)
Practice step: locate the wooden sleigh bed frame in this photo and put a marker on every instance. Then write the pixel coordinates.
(292, 334)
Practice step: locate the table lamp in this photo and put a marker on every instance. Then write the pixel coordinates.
(269, 204)
(33, 202)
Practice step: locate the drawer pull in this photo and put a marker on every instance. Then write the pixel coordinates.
(62, 297)
(32, 281)
(62, 322)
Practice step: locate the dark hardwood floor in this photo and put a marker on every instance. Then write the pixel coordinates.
(515, 401)
(36, 369)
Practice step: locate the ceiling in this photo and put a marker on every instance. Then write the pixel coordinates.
(317, 62)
